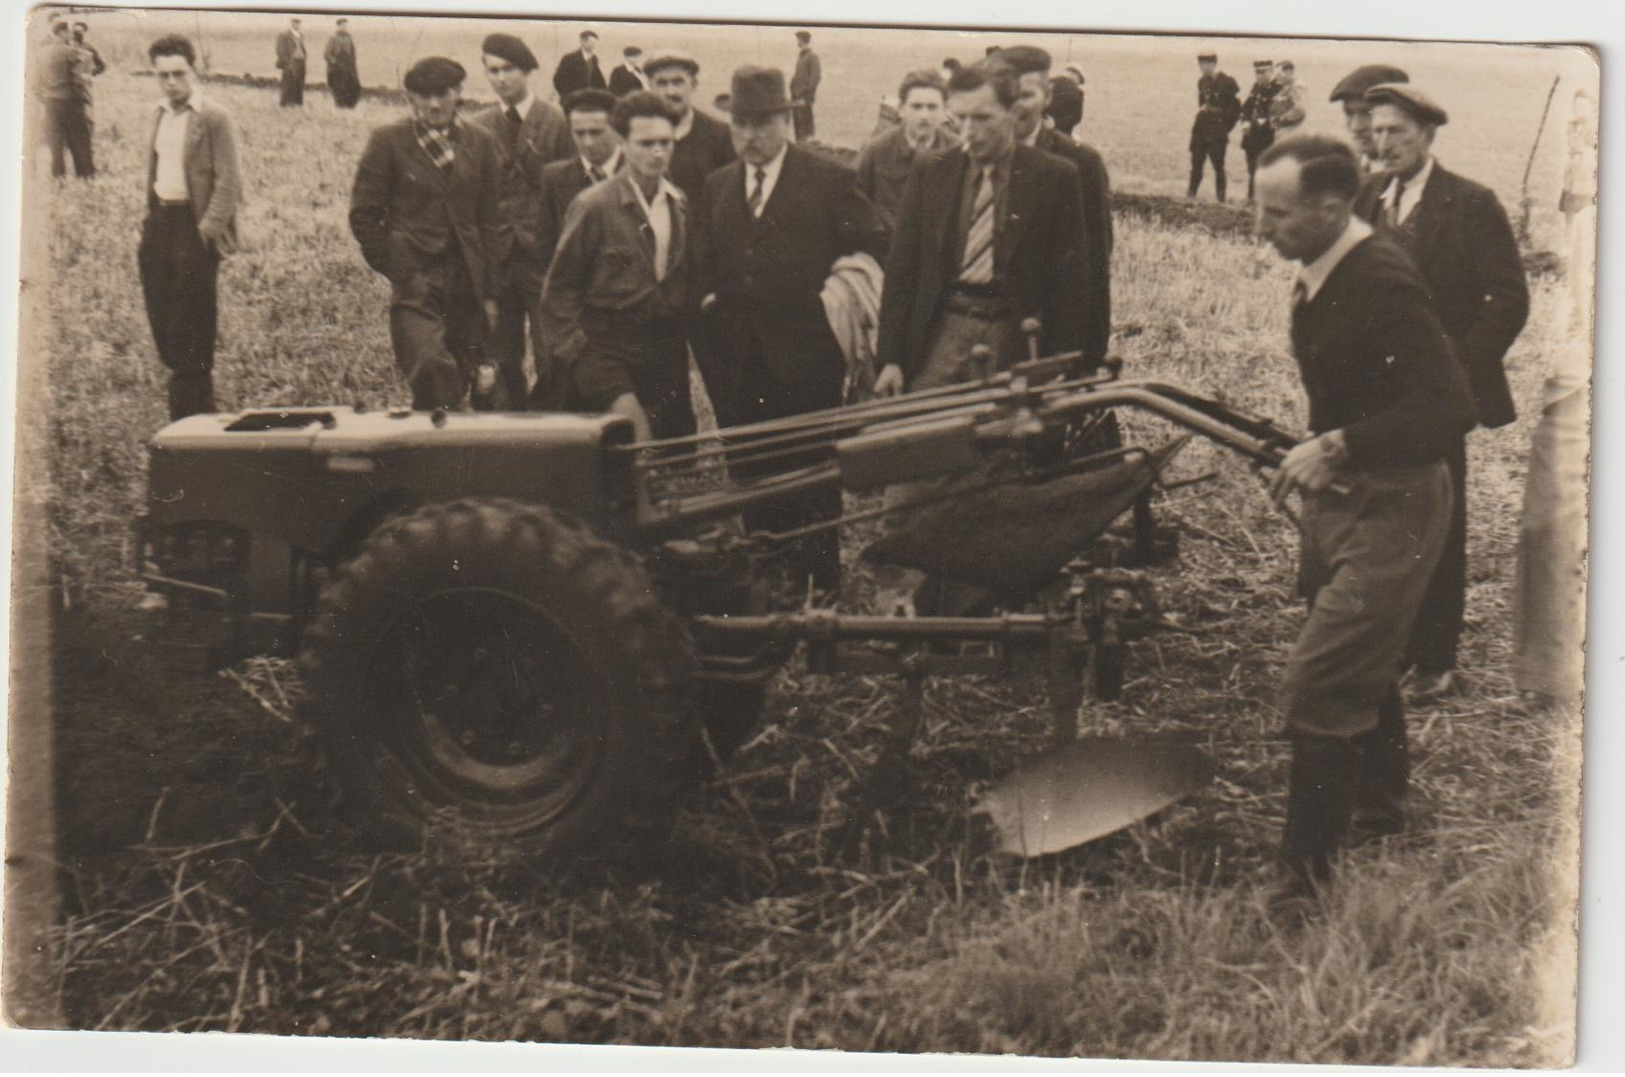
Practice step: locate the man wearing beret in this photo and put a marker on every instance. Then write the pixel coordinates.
(703, 142)
(1386, 400)
(426, 210)
(617, 288)
(769, 228)
(1350, 92)
(579, 70)
(1218, 107)
(1031, 67)
(1461, 240)
(529, 134)
(1257, 131)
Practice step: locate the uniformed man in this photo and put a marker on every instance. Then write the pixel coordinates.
(1357, 111)
(1257, 129)
(1218, 107)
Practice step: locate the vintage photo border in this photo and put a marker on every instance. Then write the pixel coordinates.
(1602, 1040)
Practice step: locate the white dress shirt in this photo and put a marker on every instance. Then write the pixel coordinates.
(169, 182)
(659, 211)
(1313, 275)
(771, 178)
(1413, 192)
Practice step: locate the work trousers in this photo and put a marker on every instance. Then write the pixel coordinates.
(1213, 150)
(802, 116)
(437, 327)
(179, 272)
(68, 134)
(1253, 146)
(1436, 635)
(647, 357)
(293, 85)
(519, 302)
(1549, 601)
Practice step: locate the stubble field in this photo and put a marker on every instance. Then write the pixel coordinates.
(210, 883)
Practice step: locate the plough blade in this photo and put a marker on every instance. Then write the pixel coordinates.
(1090, 788)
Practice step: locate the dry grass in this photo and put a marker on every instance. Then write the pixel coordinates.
(212, 887)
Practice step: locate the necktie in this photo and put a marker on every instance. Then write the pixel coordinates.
(1392, 215)
(510, 130)
(756, 198)
(977, 265)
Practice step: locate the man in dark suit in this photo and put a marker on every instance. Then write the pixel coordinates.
(1031, 66)
(1218, 107)
(1386, 400)
(628, 76)
(1459, 236)
(1350, 92)
(1257, 129)
(989, 234)
(579, 70)
(804, 86)
(343, 78)
(598, 158)
(193, 193)
(770, 226)
(290, 60)
(529, 134)
(704, 143)
(426, 210)
(617, 289)
(886, 162)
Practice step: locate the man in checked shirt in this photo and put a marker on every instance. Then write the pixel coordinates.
(425, 210)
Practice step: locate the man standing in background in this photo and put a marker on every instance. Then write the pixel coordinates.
(597, 158)
(804, 86)
(884, 164)
(1459, 236)
(1031, 66)
(1066, 99)
(343, 77)
(703, 142)
(193, 192)
(579, 70)
(426, 211)
(628, 76)
(1357, 110)
(1218, 107)
(529, 134)
(1257, 130)
(81, 38)
(62, 73)
(290, 60)
(617, 289)
(1291, 104)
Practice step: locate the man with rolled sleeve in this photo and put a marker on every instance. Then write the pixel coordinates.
(529, 135)
(193, 193)
(425, 210)
(1386, 400)
(1459, 237)
(617, 287)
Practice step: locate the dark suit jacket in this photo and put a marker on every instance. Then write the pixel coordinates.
(809, 73)
(290, 50)
(767, 273)
(1097, 236)
(1038, 253)
(1377, 364)
(708, 146)
(544, 137)
(213, 184)
(622, 81)
(1462, 241)
(575, 73)
(404, 208)
(561, 182)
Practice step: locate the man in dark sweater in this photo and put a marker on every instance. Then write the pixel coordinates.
(1387, 398)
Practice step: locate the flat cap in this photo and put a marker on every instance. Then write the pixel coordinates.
(434, 75)
(1361, 79)
(803, 36)
(671, 58)
(510, 48)
(1207, 57)
(1421, 107)
(1261, 64)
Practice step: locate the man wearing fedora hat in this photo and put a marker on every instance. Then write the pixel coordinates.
(425, 209)
(529, 134)
(771, 225)
(1350, 92)
(703, 142)
(1459, 236)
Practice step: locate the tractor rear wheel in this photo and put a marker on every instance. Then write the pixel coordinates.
(493, 670)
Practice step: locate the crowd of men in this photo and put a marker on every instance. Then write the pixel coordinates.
(1275, 107)
(619, 236)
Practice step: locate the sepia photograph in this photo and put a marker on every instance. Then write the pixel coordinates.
(902, 540)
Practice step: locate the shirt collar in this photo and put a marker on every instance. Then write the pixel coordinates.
(771, 168)
(665, 192)
(610, 167)
(1313, 276)
(684, 126)
(194, 102)
(1032, 139)
(524, 105)
(1413, 186)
